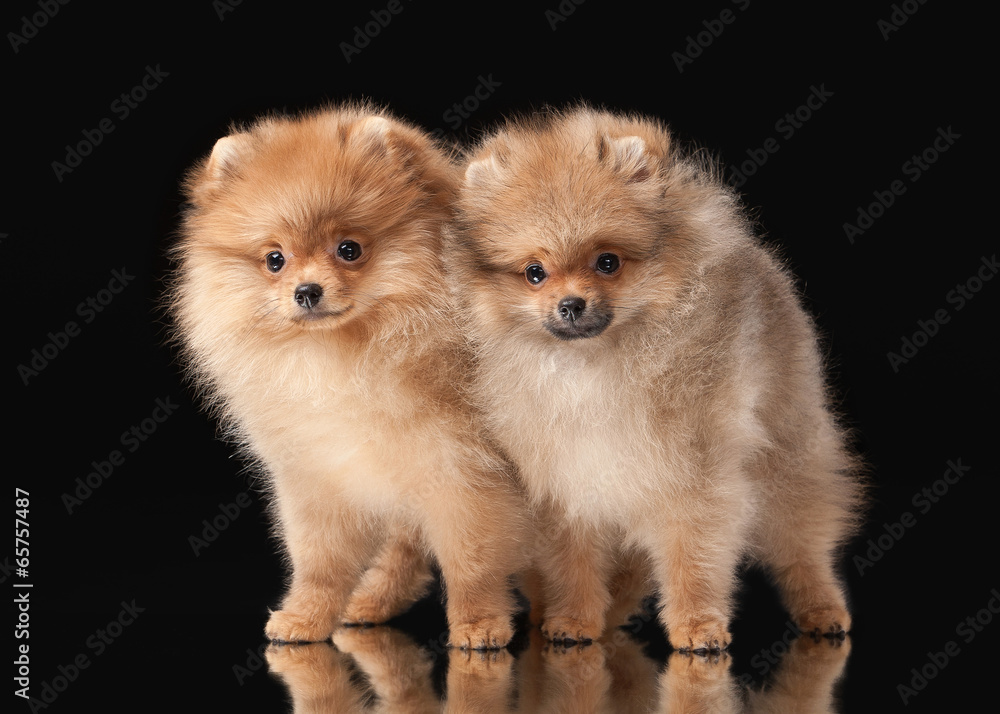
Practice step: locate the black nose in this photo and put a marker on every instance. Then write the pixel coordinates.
(571, 308)
(308, 294)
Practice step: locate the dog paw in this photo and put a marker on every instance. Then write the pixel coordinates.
(569, 631)
(700, 667)
(362, 612)
(582, 656)
(386, 592)
(492, 663)
(818, 647)
(700, 637)
(831, 622)
(285, 626)
(491, 633)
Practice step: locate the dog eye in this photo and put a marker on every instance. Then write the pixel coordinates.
(535, 273)
(349, 250)
(275, 261)
(608, 263)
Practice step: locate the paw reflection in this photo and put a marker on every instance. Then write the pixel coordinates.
(805, 677)
(381, 669)
(317, 676)
(695, 683)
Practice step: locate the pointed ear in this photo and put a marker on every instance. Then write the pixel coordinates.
(227, 154)
(482, 171)
(373, 131)
(628, 156)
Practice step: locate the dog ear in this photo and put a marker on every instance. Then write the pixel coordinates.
(482, 171)
(627, 155)
(223, 163)
(378, 136)
(412, 152)
(226, 155)
(373, 131)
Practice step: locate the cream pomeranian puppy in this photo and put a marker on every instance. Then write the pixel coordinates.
(312, 311)
(646, 363)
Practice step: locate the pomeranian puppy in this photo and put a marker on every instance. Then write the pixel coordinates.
(312, 311)
(648, 366)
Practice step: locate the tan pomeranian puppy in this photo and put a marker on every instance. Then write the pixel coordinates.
(648, 366)
(312, 310)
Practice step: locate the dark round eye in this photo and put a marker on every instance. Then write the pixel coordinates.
(535, 273)
(349, 250)
(275, 261)
(608, 263)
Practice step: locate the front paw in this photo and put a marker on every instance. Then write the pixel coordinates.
(364, 612)
(286, 626)
(832, 621)
(699, 669)
(570, 631)
(817, 648)
(484, 664)
(705, 636)
(491, 633)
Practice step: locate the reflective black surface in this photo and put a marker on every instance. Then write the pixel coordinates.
(385, 667)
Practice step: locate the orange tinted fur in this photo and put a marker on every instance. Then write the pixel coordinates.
(677, 423)
(351, 400)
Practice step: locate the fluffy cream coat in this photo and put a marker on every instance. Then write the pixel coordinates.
(351, 400)
(679, 423)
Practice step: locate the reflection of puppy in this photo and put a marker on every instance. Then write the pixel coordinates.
(318, 678)
(312, 310)
(805, 679)
(647, 364)
(400, 674)
(691, 683)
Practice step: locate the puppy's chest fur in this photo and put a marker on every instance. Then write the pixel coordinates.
(324, 419)
(581, 433)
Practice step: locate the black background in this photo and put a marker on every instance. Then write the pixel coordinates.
(62, 240)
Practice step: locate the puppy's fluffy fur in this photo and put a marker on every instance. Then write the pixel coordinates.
(311, 307)
(647, 364)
